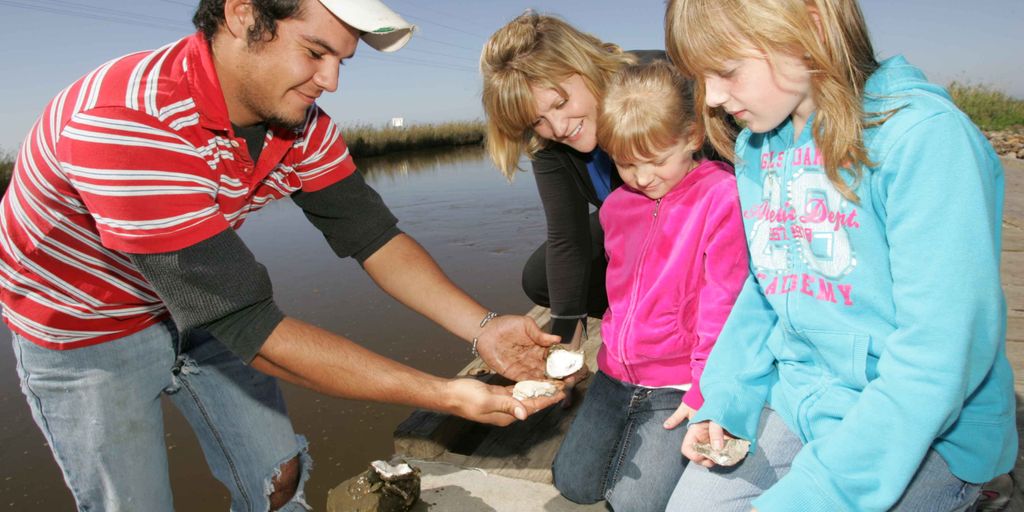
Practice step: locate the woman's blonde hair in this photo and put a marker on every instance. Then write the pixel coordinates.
(543, 51)
(831, 37)
(646, 109)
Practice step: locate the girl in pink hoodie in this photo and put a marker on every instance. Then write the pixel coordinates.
(677, 259)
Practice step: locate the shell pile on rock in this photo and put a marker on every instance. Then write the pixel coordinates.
(562, 363)
(533, 389)
(731, 453)
(384, 487)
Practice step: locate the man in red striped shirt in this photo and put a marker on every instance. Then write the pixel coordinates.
(117, 234)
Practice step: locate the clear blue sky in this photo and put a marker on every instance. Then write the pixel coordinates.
(47, 44)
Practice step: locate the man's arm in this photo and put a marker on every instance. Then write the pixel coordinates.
(311, 357)
(356, 222)
(512, 345)
(217, 286)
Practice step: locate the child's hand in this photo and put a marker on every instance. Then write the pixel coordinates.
(683, 413)
(704, 432)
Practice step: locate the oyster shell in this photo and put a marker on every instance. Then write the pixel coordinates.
(731, 453)
(562, 363)
(384, 487)
(533, 388)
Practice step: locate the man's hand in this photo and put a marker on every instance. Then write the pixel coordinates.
(484, 403)
(704, 432)
(515, 347)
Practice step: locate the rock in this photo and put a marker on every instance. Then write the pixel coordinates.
(1007, 143)
(730, 454)
(384, 487)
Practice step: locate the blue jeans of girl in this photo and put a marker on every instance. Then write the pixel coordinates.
(618, 450)
(99, 409)
(933, 489)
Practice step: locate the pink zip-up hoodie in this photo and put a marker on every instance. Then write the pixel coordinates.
(675, 267)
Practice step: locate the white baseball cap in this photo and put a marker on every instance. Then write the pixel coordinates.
(382, 28)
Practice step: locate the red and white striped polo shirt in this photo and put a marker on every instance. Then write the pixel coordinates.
(138, 157)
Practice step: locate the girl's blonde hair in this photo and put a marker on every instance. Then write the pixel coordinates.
(830, 35)
(543, 51)
(646, 109)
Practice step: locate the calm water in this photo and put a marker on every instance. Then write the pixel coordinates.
(478, 227)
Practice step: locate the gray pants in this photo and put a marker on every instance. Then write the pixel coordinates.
(933, 489)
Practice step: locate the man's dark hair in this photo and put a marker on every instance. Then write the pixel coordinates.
(210, 14)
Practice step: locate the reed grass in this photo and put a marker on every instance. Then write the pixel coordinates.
(367, 140)
(6, 169)
(990, 109)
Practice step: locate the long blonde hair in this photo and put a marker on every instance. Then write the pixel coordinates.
(543, 51)
(831, 37)
(646, 109)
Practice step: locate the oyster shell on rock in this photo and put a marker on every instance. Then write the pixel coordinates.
(533, 389)
(562, 363)
(731, 453)
(384, 487)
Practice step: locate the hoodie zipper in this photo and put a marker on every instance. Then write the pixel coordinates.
(627, 321)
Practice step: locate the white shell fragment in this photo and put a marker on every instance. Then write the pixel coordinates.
(730, 454)
(562, 363)
(533, 389)
(388, 472)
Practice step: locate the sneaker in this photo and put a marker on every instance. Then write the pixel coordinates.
(995, 494)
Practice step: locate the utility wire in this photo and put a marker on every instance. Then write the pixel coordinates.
(434, 65)
(91, 9)
(125, 20)
(472, 60)
(419, 5)
(449, 27)
(424, 38)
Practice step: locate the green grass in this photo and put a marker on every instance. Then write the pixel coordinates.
(363, 141)
(989, 108)
(367, 140)
(6, 169)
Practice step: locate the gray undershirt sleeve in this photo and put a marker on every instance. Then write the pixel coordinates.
(215, 286)
(351, 215)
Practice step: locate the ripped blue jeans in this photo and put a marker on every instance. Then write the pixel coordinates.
(99, 409)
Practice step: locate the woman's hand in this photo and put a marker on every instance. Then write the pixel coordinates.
(683, 413)
(704, 432)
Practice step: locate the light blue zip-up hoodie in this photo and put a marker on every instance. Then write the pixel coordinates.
(875, 329)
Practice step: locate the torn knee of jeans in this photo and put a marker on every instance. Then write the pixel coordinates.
(286, 483)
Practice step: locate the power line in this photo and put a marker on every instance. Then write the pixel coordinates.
(435, 11)
(125, 20)
(460, 57)
(91, 9)
(423, 38)
(435, 65)
(449, 27)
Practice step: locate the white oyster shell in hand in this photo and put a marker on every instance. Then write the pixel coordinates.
(533, 389)
(731, 453)
(562, 363)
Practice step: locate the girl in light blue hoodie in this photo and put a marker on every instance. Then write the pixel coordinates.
(865, 358)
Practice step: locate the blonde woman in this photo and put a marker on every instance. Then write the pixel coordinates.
(865, 359)
(542, 80)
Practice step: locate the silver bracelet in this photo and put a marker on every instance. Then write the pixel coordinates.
(491, 315)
